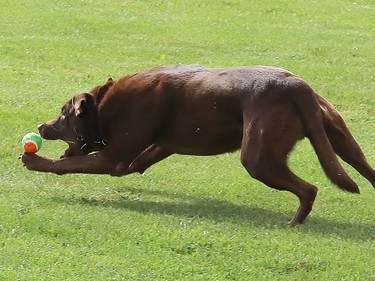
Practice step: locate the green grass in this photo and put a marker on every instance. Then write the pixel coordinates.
(187, 218)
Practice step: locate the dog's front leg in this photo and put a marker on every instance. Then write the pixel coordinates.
(96, 163)
(147, 158)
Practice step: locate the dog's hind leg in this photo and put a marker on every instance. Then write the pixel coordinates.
(343, 142)
(267, 141)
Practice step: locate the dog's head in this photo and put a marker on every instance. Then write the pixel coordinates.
(77, 123)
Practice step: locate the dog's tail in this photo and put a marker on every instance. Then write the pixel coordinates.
(305, 99)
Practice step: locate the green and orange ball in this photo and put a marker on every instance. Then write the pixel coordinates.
(32, 143)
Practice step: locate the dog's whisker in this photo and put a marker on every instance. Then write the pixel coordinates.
(54, 128)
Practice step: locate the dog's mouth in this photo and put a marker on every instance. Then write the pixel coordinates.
(80, 147)
(68, 153)
(74, 149)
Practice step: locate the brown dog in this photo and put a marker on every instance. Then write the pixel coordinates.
(143, 118)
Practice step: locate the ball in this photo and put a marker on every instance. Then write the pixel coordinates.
(32, 142)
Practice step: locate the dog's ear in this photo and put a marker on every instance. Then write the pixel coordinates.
(104, 89)
(83, 104)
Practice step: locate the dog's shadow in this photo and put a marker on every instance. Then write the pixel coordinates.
(191, 207)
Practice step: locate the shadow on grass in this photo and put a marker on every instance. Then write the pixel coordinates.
(165, 203)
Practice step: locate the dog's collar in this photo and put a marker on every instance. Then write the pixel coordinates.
(99, 143)
(95, 143)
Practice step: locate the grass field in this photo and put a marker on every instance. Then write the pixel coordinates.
(187, 218)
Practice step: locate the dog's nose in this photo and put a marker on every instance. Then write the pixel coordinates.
(40, 128)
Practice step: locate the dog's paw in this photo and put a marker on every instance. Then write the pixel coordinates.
(35, 162)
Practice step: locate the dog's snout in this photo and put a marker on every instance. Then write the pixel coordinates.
(51, 130)
(42, 129)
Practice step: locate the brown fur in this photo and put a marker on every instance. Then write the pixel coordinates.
(132, 123)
